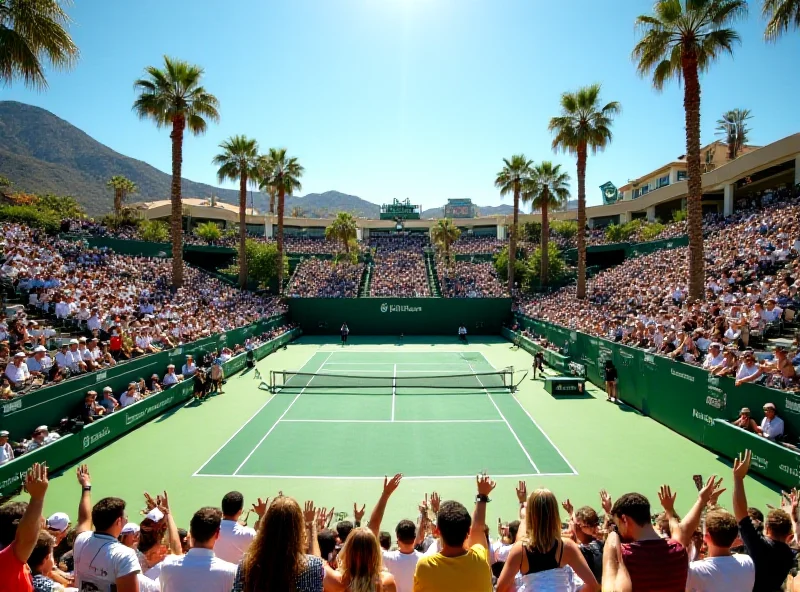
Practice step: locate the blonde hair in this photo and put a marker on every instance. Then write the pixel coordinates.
(360, 561)
(542, 521)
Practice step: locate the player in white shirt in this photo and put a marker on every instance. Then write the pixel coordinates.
(234, 538)
(199, 569)
(720, 571)
(102, 563)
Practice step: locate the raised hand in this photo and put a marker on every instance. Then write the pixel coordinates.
(149, 502)
(485, 484)
(83, 476)
(567, 505)
(322, 515)
(358, 514)
(711, 490)
(605, 501)
(330, 517)
(162, 502)
(522, 492)
(390, 485)
(742, 464)
(260, 507)
(435, 501)
(309, 513)
(36, 481)
(667, 499)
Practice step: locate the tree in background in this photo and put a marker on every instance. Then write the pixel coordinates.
(781, 16)
(283, 173)
(5, 183)
(443, 235)
(273, 194)
(343, 229)
(63, 206)
(565, 228)
(208, 231)
(510, 180)
(733, 128)
(239, 161)
(122, 186)
(31, 33)
(547, 187)
(556, 267)
(173, 97)
(582, 126)
(153, 231)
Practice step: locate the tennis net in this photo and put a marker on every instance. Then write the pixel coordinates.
(496, 380)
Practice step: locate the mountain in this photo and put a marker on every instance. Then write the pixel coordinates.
(320, 205)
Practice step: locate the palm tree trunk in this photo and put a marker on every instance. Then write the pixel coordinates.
(117, 201)
(582, 221)
(512, 242)
(694, 213)
(242, 231)
(272, 202)
(176, 214)
(281, 206)
(545, 262)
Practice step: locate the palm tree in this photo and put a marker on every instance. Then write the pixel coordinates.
(680, 41)
(272, 196)
(733, 128)
(283, 173)
(342, 229)
(31, 32)
(443, 235)
(122, 186)
(582, 126)
(781, 16)
(509, 180)
(173, 97)
(239, 161)
(547, 188)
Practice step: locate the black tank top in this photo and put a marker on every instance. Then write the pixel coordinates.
(544, 561)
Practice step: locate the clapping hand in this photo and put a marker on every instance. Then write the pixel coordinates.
(605, 501)
(36, 481)
(667, 499)
(309, 513)
(522, 492)
(742, 464)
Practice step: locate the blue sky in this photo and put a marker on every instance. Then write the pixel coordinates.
(405, 98)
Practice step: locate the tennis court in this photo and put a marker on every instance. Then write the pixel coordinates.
(347, 414)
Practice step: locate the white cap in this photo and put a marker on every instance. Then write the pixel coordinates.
(155, 515)
(42, 428)
(19, 355)
(130, 528)
(58, 522)
(73, 342)
(39, 348)
(108, 389)
(82, 340)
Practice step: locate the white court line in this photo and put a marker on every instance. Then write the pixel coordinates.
(442, 372)
(274, 425)
(391, 421)
(382, 477)
(561, 454)
(513, 433)
(210, 458)
(394, 389)
(390, 363)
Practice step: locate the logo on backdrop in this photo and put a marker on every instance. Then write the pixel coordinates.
(399, 308)
(88, 440)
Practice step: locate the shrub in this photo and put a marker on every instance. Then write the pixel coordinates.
(154, 231)
(31, 216)
(208, 231)
(566, 228)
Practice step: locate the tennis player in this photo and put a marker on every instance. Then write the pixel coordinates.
(345, 331)
(538, 364)
(462, 333)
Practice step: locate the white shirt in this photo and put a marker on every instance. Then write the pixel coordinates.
(772, 429)
(100, 559)
(735, 573)
(234, 539)
(199, 569)
(17, 373)
(127, 399)
(711, 361)
(6, 453)
(745, 371)
(170, 378)
(402, 566)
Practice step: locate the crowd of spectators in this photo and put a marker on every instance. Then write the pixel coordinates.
(624, 545)
(464, 279)
(320, 278)
(399, 265)
(468, 244)
(751, 292)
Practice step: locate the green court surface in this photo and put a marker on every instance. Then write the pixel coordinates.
(319, 438)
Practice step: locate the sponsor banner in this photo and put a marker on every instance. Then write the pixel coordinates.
(385, 307)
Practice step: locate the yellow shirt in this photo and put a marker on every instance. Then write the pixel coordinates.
(467, 573)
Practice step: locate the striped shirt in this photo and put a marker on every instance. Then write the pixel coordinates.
(658, 565)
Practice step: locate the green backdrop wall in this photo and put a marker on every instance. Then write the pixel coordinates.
(392, 316)
(687, 399)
